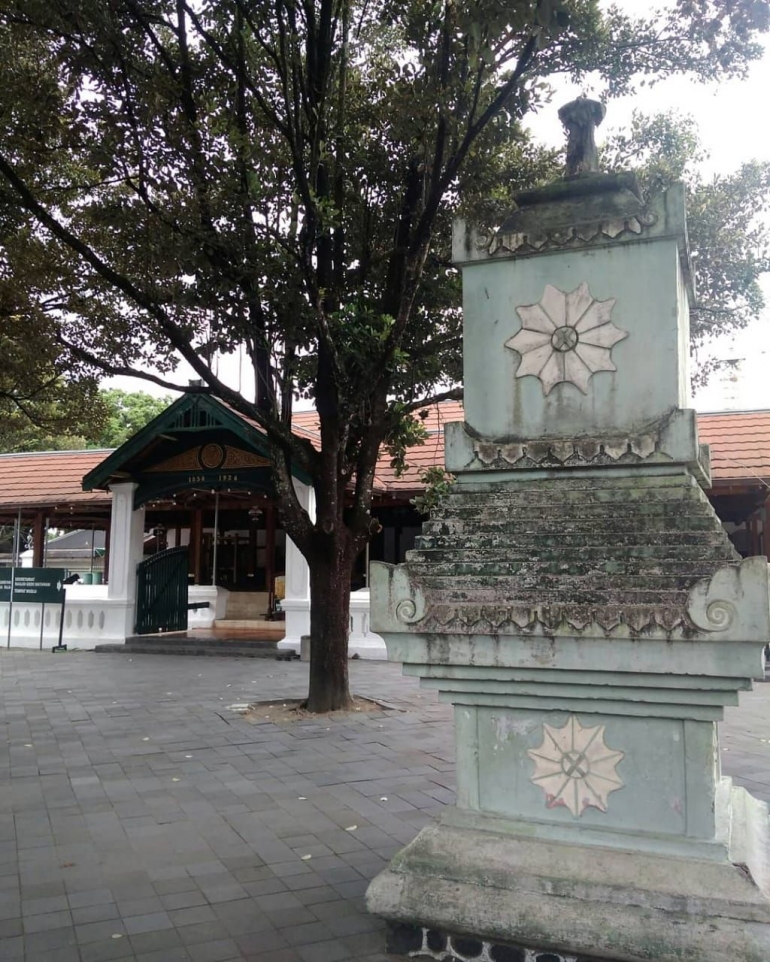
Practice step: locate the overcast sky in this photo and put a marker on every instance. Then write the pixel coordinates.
(732, 121)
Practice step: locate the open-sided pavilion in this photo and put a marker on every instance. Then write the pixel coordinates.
(198, 477)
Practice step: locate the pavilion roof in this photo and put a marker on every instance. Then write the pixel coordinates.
(50, 480)
(740, 454)
(420, 457)
(740, 446)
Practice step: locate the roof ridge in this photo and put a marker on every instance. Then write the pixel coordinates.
(729, 414)
(33, 454)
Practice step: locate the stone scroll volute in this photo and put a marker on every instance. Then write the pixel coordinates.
(399, 603)
(734, 603)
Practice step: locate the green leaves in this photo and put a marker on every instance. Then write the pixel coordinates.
(405, 431)
(438, 486)
(186, 179)
(127, 413)
(726, 216)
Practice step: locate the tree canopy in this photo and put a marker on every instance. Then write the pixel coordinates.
(96, 419)
(727, 224)
(45, 402)
(127, 413)
(280, 174)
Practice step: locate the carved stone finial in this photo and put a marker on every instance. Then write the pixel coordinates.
(580, 117)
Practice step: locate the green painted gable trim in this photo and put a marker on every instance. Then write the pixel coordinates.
(205, 413)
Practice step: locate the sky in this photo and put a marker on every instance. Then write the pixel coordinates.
(730, 119)
(733, 129)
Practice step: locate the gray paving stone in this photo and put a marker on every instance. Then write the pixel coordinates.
(50, 939)
(151, 922)
(47, 921)
(96, 837)
(12, 948)
(10, 928)
(66, 954)
(193, 915)
(310, 932)
(175, 954)
(99, 931)
(95, 913)
(220, 950)
(202, 932)
(106, 951)
(259, 890)
(155, 941)
(264, 945)
(329, 951)
(183, 900)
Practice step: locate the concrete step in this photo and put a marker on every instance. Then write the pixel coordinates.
(248, 624)
(246, 605)
(196, 646)
(232, 652)
(183, 640)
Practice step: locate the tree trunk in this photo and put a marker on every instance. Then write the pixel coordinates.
(329, 630)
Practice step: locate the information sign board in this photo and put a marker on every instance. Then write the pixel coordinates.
(35, 585)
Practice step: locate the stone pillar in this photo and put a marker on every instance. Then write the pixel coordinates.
(577, 601)
(126, 539)
(296, 602)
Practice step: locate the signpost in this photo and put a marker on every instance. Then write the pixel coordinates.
(37, 586)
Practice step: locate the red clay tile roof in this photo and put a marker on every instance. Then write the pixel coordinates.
(424, 455)
(49, 478)
(419, 457)
(740, 445)
(740, 452)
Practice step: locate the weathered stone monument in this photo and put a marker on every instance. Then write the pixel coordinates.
(577, 601)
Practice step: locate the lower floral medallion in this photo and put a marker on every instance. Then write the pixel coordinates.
(575, 768)
(419, 942)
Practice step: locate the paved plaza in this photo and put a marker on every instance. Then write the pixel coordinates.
(143, 818)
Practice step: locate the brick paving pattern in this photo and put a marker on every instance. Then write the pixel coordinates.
(141, 818)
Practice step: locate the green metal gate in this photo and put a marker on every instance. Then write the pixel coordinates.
(161, 593)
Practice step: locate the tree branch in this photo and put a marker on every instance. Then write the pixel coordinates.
(455, 394)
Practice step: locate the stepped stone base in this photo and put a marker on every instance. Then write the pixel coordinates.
(511, 898)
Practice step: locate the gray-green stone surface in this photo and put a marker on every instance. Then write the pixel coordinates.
(578, 602)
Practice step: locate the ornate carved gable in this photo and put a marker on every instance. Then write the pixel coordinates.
(210, 457)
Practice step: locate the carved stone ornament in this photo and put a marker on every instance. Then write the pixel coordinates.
(420, 942)
(566, 337)
(575, 768)
(568, 620)
(598, 232)
(585, 452)
(580, 118)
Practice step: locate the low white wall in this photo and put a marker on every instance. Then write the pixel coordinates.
(297, 622)
(90, 617)
(205, 617)
(362, 642)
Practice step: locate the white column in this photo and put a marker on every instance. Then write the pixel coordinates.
(126, 550)
(296, 604)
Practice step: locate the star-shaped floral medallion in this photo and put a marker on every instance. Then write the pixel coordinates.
(566, 337)
(575, 768)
